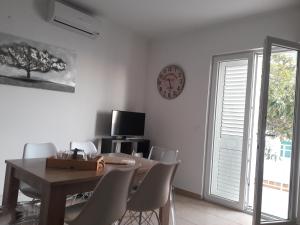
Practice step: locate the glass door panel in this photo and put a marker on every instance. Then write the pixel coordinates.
(279, 133)
(277, 148)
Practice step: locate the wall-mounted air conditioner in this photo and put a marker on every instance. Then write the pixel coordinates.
(72, 19)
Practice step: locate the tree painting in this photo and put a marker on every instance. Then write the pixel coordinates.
(25, 57)
(32, 64)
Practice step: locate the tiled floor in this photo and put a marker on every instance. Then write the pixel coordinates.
(190, 211)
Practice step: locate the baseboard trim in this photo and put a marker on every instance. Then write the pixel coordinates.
(188, 193)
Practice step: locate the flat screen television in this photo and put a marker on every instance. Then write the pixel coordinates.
(124, 123)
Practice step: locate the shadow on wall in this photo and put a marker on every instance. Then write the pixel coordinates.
(103, 123)
(41, 7)
(136, 83)
(102, 127)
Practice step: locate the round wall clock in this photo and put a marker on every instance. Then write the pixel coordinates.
(170, 81)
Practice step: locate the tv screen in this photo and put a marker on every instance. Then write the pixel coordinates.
(125, 123)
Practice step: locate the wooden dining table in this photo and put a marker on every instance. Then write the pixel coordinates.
(53, 185)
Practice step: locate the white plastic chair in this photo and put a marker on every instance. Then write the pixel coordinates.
(163, 154)
(152, 194)
(108, 202)
(34, 150)
(40, 150)
(88, 147)
(166, 155)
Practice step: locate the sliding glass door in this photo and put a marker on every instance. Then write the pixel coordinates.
(277, 164)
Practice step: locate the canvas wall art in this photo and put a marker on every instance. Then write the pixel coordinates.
(33, 64)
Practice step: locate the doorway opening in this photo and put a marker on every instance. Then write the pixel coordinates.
(233, 132)
(279, 133)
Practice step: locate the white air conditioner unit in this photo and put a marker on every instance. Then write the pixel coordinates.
(72, 19)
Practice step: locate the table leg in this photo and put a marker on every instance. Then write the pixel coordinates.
(11, 189)
(53, 206)
(164, 213)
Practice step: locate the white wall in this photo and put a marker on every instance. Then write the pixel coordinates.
(180, 123)
(111, 75)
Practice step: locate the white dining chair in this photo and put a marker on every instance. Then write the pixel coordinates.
(166, 155)
(163, 154)
(107, 203)
(27, 210)
(152, 194)
(39, 150)
(36, 150)
(87, 146)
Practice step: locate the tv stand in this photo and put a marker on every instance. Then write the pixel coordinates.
(127, 145)
(119, 138)
(134, 138)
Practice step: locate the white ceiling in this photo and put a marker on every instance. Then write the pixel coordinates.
(154, 18)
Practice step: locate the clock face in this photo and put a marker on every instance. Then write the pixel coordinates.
(170, 81)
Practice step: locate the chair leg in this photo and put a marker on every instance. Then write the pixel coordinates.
(172, 196)
(157, 217)
(128, 220)
(120, 220)
(140, 218)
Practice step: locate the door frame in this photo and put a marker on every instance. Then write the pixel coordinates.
(211, 115)
(294, 179)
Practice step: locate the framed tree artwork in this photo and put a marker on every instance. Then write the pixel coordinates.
(33, 64)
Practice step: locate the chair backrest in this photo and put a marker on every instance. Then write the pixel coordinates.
(39, 150)
(88, 146)
(163, 154)
(36, 150)
(154, 190)
(109, 200)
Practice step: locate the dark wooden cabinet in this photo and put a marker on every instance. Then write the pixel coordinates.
(111, 145)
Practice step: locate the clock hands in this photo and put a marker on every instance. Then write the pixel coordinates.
(170, 86)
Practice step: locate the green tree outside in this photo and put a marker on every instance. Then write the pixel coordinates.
(282, 95)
